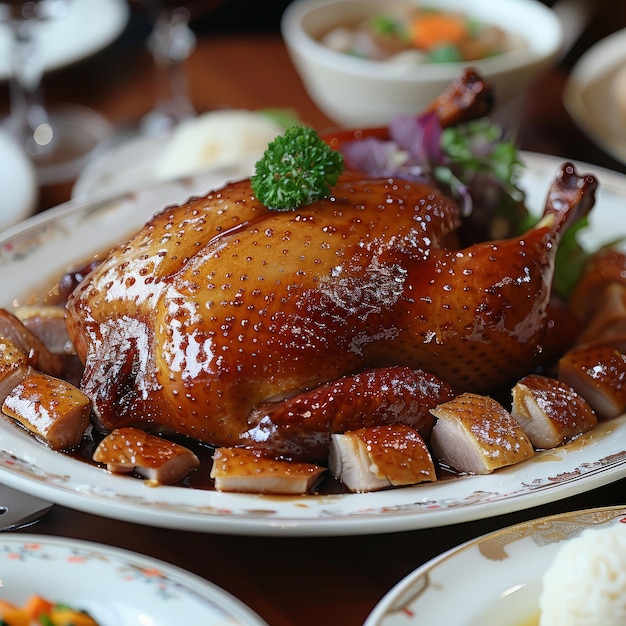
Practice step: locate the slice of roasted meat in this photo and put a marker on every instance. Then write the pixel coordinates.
(598, 373)
(300, 427)
(13, 367)
(52, 409)
(47, 323)
(249, 471)
(38, 354)
(369, 459)
(605, 268)
(161, 461)
(549, 411)
(599, 299)
(477, 435)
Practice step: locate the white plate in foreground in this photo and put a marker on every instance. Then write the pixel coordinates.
(88, 27)
(59, 238)
(116, 587)
(507, 567)
(590, 97)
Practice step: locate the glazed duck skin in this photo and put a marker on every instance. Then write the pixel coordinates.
(301, 427)
(219, 305)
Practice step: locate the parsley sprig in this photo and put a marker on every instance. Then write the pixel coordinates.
(297, 168)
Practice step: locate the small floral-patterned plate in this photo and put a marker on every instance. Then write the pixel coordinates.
(116, 587)
(495, 580)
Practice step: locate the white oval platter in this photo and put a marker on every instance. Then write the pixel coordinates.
(34, 252)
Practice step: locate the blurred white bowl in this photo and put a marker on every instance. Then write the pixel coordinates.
(18, 182)
(358, 92)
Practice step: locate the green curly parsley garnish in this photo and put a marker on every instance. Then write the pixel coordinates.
(296, 169)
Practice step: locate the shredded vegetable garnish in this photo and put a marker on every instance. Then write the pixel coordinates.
(473, 162)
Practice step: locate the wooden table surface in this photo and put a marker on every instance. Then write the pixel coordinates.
(289, 581)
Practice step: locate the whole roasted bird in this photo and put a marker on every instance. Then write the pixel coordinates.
(228, 322)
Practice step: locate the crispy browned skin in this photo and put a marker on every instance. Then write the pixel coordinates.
(301, 427)
(126, 450)
(606, 268)
(549, 411)
(468, 97)
(599, 299)
(598, 373)
(220, 304)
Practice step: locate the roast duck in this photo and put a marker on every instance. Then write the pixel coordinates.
(236, 325)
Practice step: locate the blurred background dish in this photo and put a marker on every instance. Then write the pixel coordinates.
(90, 25)
(116, 587)
(173, 139)
(59, 142)
(17, 181)
(226, 143)
(354, 91)
(171, 42)
(595, 94)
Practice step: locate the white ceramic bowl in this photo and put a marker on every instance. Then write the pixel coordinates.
(18, 182)
(357, 92)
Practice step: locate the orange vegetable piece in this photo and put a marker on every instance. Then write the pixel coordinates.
(36, 605)
(437, 29)
(13, 615)
(5, 605)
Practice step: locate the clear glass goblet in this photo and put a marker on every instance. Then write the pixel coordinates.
(170, 43)
(58, 142)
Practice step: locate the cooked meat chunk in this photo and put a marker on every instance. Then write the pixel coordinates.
(549, 411)
(598, 373)
(243, 470)
(13, 367)
(373, 458)
(162, 461)
(477, 435)
(51, 408)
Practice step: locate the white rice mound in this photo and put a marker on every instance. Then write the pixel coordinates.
(586, 583)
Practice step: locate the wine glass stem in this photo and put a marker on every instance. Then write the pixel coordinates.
(171, 42)
(28, 116)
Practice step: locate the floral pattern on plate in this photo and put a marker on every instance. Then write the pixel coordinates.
(137, 588)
